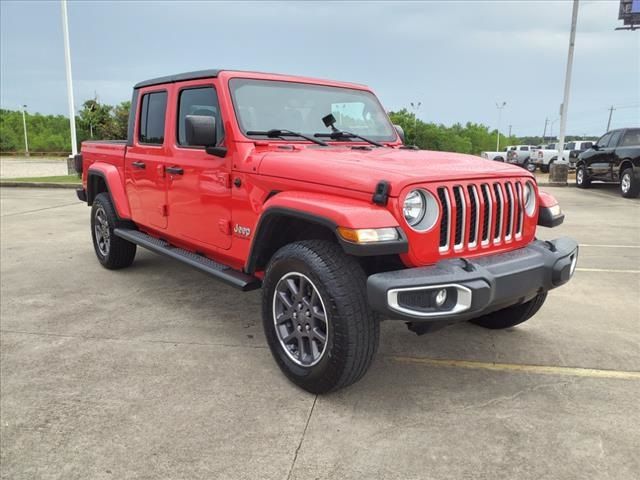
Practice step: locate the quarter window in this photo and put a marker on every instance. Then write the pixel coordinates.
(198, 101)
(152, 116)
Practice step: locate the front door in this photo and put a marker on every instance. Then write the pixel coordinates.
(599, 163)
(198, 184)
(145, 181)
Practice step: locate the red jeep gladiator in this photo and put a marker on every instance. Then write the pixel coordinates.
(303, 187)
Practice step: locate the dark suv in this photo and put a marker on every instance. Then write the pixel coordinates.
(615, 157)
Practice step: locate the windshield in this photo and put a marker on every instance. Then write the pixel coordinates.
(263, 105)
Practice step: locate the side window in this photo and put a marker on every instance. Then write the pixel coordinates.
(615, 138)
(152, 116)
(524, 149)
(571, 146)
(198, 101)
(585, 146)
(604, 140)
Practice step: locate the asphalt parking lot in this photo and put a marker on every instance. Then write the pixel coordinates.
(159, 371)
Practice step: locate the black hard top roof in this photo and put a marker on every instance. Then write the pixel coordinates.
(180, 77)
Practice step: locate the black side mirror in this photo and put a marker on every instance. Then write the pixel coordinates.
(200, 130)
(595, 146)
(400, 131)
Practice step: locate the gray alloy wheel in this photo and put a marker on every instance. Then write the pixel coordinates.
(625, 183)
(101, 228)
(300, 319)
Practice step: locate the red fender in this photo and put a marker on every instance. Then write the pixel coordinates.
(546, 200)
(341, 211)
(115, 185)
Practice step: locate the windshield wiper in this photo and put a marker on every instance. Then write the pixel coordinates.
(279, 133)
(329, 121)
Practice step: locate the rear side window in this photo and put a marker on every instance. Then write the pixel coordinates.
(631, 138)
(524, 149)
(152, 116)
(198, 101)
(571, 146)
(585, 145)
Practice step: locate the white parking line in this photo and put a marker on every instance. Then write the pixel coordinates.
(605, 270)
(608, 246)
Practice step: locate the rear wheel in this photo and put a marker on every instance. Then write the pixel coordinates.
(511, 316)
(531, 167)
(113, 252)
(316, 318)
(582, 179)
(629, 185)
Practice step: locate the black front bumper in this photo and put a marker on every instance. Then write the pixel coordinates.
(473, 287)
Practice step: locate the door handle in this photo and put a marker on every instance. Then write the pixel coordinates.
(174, 170)
(138, 165)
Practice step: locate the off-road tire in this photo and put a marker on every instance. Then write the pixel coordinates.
(582, 178)
(120, 253)
(633, 189)
(511, 316)
(353, 330)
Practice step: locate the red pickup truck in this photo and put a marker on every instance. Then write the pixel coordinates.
(304, 188)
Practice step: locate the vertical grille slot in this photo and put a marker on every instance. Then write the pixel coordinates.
(520, 212)
(509, 209)
(497, 227)
(488, 208)
(461, 210)
(474, 214)
(443, 196)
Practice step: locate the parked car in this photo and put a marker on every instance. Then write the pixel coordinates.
(521, 155)
(614, 157)
(500, 156)
(303, 187)
(545, 157)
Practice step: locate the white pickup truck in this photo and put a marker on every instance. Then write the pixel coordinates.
(516, 154)
(547, 155)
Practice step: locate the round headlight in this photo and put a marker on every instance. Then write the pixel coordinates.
(414, 207)
(420, 210)
(529, 199)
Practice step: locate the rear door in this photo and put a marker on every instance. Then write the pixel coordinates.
(199, 194)
(145, 181)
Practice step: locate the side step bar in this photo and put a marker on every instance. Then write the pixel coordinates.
(222, 272)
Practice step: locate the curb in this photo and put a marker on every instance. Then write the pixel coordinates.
(39, 185)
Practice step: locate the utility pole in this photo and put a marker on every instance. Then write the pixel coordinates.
(499, 106)
(510, 130)
(610, 114)
(67, 61)
(561, 178)
(24, 125)
(544, 133)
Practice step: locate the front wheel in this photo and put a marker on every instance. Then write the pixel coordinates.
(629, 185)
(531, 167)
(582, 179)
(316, 318)
(511, 316)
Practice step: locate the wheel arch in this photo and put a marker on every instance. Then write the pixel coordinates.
(290, 217)
(626, 163)
(106, 178)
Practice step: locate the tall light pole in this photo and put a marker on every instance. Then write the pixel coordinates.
(564, 107)
(415, 107)
(499, 106)
(24, 125)
(67, 61)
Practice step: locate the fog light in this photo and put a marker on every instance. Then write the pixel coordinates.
(441, 297)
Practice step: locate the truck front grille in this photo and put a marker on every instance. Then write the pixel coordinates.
(481, 213)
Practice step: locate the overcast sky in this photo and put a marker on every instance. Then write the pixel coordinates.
(457, 58)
